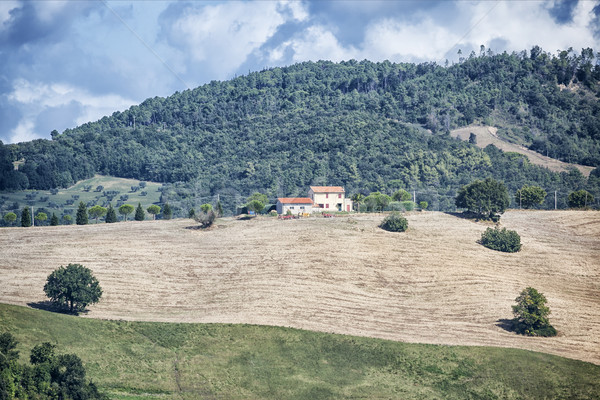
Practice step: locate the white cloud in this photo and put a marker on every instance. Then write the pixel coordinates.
(315, 43)
(224, 35)
(5, 8)
(32, 99)
(47, 10)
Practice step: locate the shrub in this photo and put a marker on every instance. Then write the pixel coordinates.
(205, 218)
(531, 314)
(408, 205)
(501, 240)
(423, 205)
(394, 222)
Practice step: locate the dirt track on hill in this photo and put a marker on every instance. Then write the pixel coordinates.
(431, 284)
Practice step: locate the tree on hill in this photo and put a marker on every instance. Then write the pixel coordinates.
(531, 314)
(97, 212)
(82, 216)
(485, 198)
(10, 218)
(580, 199)
(72, 288)
(41, 217)
(140, 215)
(26, 218)
(401, 195)
(154, 210)
(67, 219)
(54, 220)
(125, 210)
(111, 215)
(530, 196)
(167, 212)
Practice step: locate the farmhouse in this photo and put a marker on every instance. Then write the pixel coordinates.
(294, 204)
(330, 198)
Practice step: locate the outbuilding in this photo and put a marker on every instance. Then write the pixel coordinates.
(296, 205)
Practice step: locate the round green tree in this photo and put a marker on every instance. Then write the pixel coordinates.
(485, 198)
(154, 210)
(82, 216)
(125, 210)
(530, 196)
(10, 218)
(97, 212)
(531, 314)
(580, 199)
(255, 205)
(41, 217)
(501, 240)
(72, 288)
(394, 222)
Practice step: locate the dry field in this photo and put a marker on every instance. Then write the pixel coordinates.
(431, 284)
(486, 135)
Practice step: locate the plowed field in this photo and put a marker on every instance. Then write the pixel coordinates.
(431, 284)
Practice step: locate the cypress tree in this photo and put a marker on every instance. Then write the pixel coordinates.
(54, 220)
(140, 215)
(219, 209)
(111, 215)
(167, 212)
(82, 216)
(192, 213)
(26, 218)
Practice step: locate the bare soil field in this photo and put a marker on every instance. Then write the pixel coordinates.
(431, 284)
(486, 135)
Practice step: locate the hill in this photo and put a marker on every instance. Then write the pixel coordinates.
(367, 126)
(433, 284)
(141, 360)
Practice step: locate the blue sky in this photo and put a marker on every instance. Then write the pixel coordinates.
(64, 63)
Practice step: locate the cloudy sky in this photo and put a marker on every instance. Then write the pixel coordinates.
(63, 63)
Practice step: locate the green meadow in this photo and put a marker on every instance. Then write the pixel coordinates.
(135, 360)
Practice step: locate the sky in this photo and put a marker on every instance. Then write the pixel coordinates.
(64, 63)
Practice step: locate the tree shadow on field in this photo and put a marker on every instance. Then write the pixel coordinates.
(506, 324)
(51, 307)
(471, 216)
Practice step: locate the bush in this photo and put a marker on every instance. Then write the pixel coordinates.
(394, 222)
(501, 240)
(531, 314)
(205, 218)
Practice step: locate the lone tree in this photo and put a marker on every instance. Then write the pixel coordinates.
(531, 314)
(26, 218)
(125, 210)
(10, 218)
(394, 222)
(580, 199)
(111, 215)
(154, 210)
(82, 217)
(485, 198)
(72, 287)
(97, 212)
(530, 196)
(206, 216)
(256, 202)
(140, 215)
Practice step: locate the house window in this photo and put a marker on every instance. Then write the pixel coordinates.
(326, 195)
(302, 207)
(327, 205)
(321, 205)
(292, 207)
(339, 196)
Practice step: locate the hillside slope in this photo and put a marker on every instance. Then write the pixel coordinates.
(433, 284)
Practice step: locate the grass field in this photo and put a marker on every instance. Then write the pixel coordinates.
(67, 200)
(487, 135)
(432, 284)
(135, 360)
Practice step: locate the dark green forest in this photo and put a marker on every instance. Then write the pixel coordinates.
(367, 126)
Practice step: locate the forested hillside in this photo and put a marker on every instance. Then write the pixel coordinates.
(367, 126)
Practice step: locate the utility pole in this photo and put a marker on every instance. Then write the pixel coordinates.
(555, 199)
(32, 219)
(520, 198)
(414, 197)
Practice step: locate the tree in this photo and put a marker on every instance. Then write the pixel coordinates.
(140, 215)
(10, 218)
(376, 201)
(529, 196)
(394, 222)
(26, 218)
(68, 220)
(423, 205)
(8, 344)
(54, 220)
(501, 240)
(41, 217)
(357, 198)
(219, 209)
(97, 212)
(111, 215)
(125, 210)
(206, 207)
(42, 353)
(82, 217)
(472, 138)
(154, 210)
(255, 205)
(72, 287)
(206, 217)
(486, 198)
(531, 314)
(580, 199)
(259, 197)
(167, 212)
(401, 195)
(192, 213)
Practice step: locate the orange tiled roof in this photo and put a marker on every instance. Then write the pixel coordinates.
(327, 189)
(294, 200)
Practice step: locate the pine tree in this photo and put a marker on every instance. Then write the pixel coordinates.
(82, 216)
(26, 218)
(167, 212)
(219, 209)
(111, 215)
(140, 215)
(53, 220)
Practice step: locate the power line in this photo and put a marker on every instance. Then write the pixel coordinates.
(146, 45)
